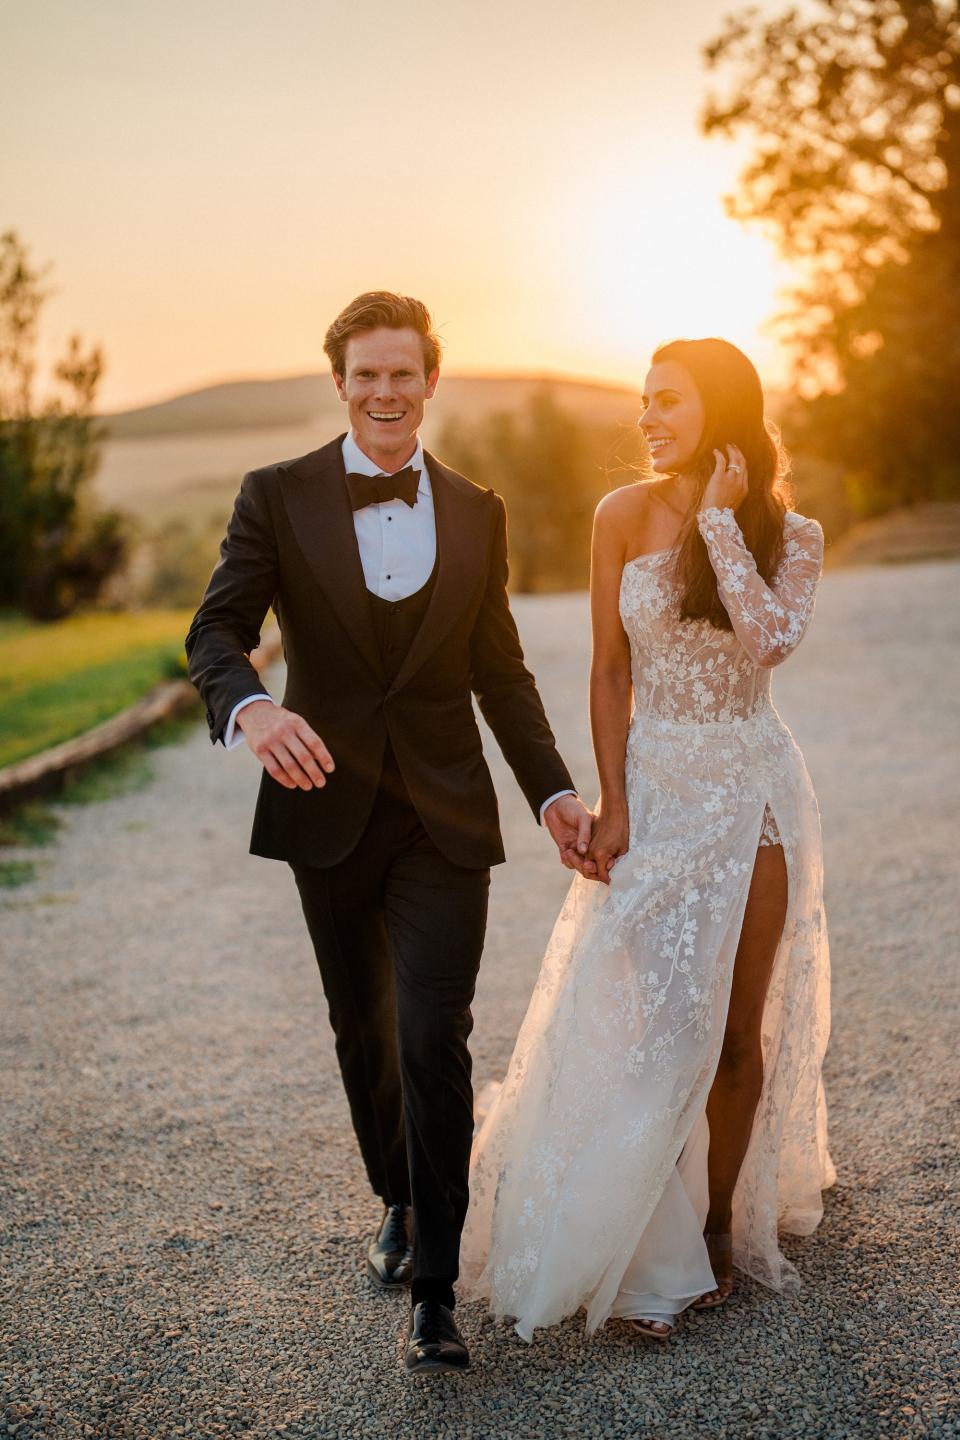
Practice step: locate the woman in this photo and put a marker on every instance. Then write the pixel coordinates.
(663, 1112)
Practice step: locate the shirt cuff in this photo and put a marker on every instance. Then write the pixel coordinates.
(546, 803)
(231, 737)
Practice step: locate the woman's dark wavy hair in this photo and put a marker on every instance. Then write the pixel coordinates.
(732, 396)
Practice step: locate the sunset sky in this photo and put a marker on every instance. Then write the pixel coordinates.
(214, 181)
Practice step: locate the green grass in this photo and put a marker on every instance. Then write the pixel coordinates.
(32, 825)
(56, 681)
(16, 872)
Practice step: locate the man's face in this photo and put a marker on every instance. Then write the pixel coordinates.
(385, 388)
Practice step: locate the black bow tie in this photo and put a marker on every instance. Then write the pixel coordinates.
(378, 489)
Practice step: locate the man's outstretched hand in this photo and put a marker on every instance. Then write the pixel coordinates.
(571, 825)
(286, 746)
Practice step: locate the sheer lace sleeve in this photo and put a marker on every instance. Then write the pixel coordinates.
(768, 620)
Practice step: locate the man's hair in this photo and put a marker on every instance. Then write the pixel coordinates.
(376, 308)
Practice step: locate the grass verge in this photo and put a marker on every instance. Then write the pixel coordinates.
(59, 680)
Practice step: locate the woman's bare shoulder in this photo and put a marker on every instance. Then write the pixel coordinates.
(622, 510)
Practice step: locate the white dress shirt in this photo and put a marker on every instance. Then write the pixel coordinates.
(397, 543)
(398, 549)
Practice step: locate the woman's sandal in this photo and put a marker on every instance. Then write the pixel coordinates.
(718, 1247)
(653, 1329)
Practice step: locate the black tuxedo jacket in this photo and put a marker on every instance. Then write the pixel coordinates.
(291, 544)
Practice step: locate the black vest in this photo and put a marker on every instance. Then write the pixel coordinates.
(396, 622)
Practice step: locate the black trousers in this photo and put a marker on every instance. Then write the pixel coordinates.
(398, 932)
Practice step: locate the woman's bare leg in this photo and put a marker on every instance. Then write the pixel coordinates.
(733, 1098)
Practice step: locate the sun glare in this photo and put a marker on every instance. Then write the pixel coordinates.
(645, 267)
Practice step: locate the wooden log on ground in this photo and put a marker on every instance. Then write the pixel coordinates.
(44, 773)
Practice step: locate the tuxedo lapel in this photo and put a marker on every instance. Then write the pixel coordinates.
(314, 491)
(462, 545)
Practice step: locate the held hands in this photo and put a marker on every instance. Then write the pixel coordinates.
(289, 750)
(570, 823)
(727, 487)
(588, 843)
(611, 839)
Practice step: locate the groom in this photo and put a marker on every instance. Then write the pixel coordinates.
(388, 573)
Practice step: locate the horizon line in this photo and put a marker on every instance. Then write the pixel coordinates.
(547, 376)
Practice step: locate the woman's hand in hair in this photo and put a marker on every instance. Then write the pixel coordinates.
(727, 487)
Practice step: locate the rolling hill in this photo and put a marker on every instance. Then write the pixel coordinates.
(183, 458)
(311, 400)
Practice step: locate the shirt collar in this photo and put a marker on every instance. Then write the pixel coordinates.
(357, 463)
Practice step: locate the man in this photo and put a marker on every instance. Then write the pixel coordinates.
(387, 572)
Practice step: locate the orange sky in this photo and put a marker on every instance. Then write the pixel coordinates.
(213, 182)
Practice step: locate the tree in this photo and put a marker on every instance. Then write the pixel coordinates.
(895, 425)
(855, 175)
(56, 549)
(542, 461)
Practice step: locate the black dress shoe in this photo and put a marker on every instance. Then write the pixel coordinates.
(434, 1346)
(390, 1257)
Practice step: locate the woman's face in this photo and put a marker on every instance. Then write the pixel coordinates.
(673, 417)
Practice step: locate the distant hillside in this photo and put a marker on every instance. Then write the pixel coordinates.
(233, 405)
(182, 460)
(311, 400)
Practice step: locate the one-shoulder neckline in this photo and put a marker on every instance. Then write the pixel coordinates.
(649, 555)
(789, 515)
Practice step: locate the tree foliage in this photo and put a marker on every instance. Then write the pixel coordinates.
(854, 108)
(56, 549)
(548, 467)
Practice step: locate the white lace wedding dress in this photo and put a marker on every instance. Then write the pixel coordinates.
(588, 1178)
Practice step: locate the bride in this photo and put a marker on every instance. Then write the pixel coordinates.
(663, 1112)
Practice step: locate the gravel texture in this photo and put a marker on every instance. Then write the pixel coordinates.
(183, 1208)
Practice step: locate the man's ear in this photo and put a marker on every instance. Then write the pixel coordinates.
(338, 380)
(433, 380)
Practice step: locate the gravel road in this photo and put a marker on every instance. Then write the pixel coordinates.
(183, 1208)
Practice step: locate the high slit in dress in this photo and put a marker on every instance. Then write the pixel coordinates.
(588, 1182)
